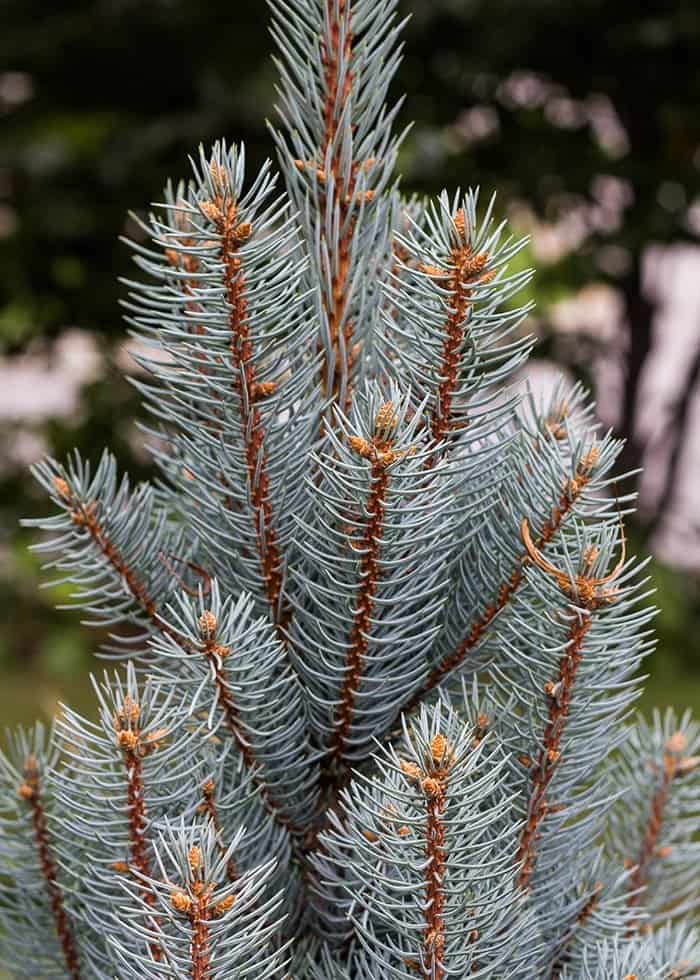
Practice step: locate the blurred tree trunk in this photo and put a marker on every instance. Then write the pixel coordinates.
(639, 317)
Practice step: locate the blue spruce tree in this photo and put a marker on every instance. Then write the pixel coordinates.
(375, 623)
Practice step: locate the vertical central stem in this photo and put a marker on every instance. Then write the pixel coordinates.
(136, 808)
(343, 192)
(200, 938)
(434, 934)
(358, 640)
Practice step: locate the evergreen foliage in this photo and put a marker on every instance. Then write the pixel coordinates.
(380, 626)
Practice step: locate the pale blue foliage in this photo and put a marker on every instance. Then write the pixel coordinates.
(385, 633)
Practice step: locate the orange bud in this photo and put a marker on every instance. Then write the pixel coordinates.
(180, 902)
(438, 747)
(410, 769)
(207, 624)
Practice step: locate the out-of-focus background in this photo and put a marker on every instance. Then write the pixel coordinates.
(584, 117)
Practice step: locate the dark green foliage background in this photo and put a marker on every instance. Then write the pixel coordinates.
(122, 90)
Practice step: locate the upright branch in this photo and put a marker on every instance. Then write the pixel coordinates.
(434, 784)
(336, 55)
(463, 270)
(222, 211)
(380, 455)
(592, 593)
(196, 903)
(135, 746)
(338, 152)
(30, 792)
(570, 494)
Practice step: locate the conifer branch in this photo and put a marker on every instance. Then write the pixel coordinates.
(134, 748)
(223, 212)
(336, 58)
(85, 515)
(337, 155)
(591, 592)
(380, 455)
(435, 786)
(30, 792)
(215, 654)
(674, 764)
(572, 491)
(355, 500)
(559, 694)
(584, 914)
(462, 270)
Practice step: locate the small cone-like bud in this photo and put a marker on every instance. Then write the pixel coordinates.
(386, 420)
(677, 742)
(207, 624)
(222, 907)
(438, 747)
(411, 770)
(180, 902)
(127, 740)
(61, 487)
(430, 786)
(194, 858)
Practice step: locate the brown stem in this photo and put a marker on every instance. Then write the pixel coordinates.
(252, 428)
(136, 809)
(358, 641)
(436, 854)
(209, 807)
(233, 720)
(199, 918)
(550, 752)
(571, 493)
(343, 194)
(86, 516)
(30, 792)
(466, 270)
(648, 849)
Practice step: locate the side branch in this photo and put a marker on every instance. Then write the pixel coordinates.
(582, 918)
(216, 654)
(380, 454)
(559, 695)
(85, 516)
(359, 634)
(567, 500)
(135, 747)
(233, 234)
(673, 765)
(464, 270)
(195, 904)
(436, 856)
(433, 782)
(30, 792)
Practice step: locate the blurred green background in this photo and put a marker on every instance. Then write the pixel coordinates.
(583, 117)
